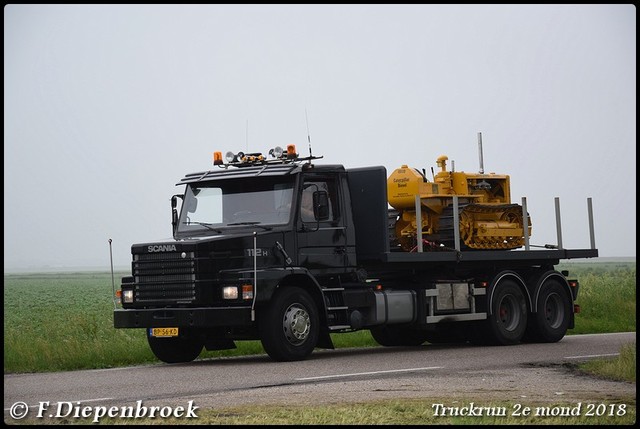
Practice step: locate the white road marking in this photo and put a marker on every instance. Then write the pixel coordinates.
(367, 373)
(592, 356)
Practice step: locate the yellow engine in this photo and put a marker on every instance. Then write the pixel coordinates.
(487, 218)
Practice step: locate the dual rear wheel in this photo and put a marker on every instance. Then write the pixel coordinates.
(510, 321)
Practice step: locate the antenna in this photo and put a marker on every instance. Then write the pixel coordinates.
(113, 284)
(247, 136)
(308, 135)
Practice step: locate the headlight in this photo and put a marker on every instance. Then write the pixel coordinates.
(230, 292)
(276, 152)
(127, 296)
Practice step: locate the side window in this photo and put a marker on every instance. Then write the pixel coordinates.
(306, 205)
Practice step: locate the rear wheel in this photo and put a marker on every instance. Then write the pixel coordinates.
(508, 319)
(551, 321)
(289, 326)
(184, 348)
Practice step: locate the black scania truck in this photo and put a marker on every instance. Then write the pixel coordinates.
(288, 251)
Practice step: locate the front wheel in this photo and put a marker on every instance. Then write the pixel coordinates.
(289, 326)
(184, 348)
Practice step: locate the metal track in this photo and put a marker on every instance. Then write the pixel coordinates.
(468, 215)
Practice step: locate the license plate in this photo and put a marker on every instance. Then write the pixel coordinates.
(164, 332)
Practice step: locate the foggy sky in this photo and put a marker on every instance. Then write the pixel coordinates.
(107, 107)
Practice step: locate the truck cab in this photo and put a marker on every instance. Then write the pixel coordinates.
(242, 233)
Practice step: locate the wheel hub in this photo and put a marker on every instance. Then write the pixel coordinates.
(507, 314)
(554, 311)
(296, 324)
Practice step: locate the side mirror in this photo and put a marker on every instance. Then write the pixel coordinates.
(174, 212)
(321, 205)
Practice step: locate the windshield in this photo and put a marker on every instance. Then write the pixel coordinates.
(215, 205)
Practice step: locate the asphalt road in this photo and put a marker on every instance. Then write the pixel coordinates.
(526, 372)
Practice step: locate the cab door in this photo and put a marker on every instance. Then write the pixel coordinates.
(322, 235)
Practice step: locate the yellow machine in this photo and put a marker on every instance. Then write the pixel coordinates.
(487, 218)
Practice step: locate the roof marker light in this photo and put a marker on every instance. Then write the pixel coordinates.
(217, 158)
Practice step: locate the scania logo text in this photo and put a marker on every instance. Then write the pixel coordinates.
(162, 248)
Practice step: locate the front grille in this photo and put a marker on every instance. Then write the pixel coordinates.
(165, 278)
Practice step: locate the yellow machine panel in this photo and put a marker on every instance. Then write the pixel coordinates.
(487, 218)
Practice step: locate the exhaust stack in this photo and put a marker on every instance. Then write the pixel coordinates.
(480, 153)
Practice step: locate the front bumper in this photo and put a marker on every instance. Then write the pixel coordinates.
(182, 317)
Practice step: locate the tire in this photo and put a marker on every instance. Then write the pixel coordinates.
(184, 348)
(289, 325)
(507, 322)
(394, 336)
(554, 308)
